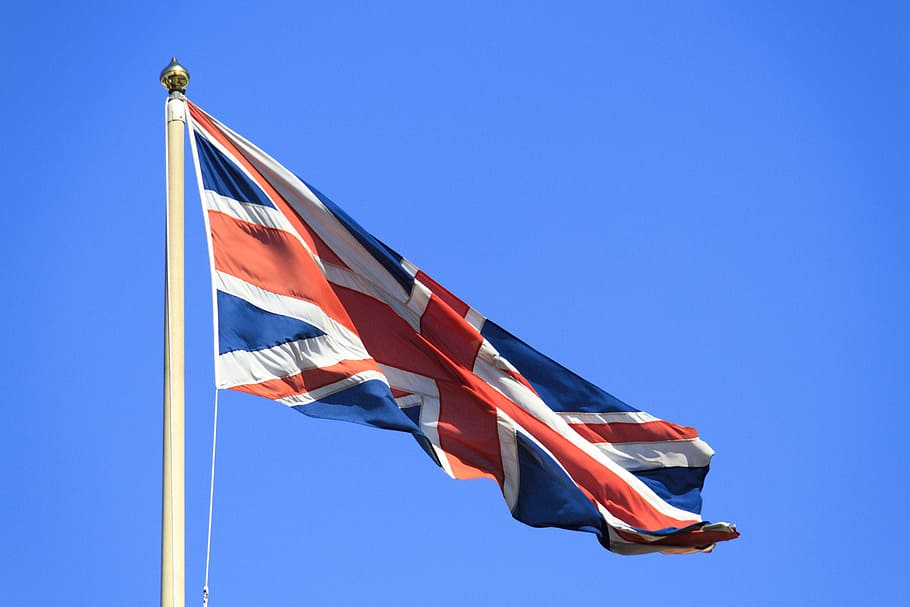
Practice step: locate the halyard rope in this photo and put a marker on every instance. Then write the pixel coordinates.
(208, 545)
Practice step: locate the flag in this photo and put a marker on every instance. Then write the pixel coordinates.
(316, 313)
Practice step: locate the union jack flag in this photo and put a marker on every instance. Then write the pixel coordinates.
(316, 313)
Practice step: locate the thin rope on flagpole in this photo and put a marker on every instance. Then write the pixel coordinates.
(215, 350)
(208, 544)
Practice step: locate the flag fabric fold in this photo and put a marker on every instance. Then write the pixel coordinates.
(316, 313)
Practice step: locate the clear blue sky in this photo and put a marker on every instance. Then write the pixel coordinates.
(702, 207)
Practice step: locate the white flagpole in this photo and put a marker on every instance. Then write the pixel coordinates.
(174, 78)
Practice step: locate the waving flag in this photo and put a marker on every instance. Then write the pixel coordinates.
(316, 313)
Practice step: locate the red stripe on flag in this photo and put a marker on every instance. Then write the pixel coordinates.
(468, 433)
(307, 381)
(387, 337)
(624, 432)
(467, 424)
(311, 238)
(449, 332)
(460, 307)
(273, 260)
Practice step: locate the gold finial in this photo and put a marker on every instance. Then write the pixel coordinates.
(175, 77)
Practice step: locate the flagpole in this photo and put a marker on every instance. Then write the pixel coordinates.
(174, 78)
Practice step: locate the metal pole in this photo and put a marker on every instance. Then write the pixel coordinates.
(174, 78)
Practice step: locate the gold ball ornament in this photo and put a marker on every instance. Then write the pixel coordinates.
(175, 77)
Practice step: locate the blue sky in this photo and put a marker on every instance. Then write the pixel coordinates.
(701, 207)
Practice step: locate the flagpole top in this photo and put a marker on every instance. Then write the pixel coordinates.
(175, 77)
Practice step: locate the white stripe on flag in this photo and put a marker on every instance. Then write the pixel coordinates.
(409, 400)
(625, 417)
(239, 368)
(407, 381)
(426, 388)
(508, 449)
(692, 453)
(306, 398)
(475, 319)
(248, 212)
(410, 311)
